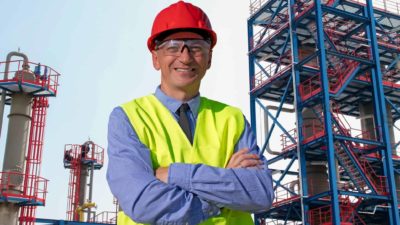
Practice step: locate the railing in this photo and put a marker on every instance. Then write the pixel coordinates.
(256, 5)
(286, 142)
(379, 181)
(260, 77)
(12, 185)
(259, 39)
(105, 217)
(282, 195)
(339, 76)
(392, 6)
(310, 87)
(74, 153)
(278, 222)
(323, 215)
(48, 80)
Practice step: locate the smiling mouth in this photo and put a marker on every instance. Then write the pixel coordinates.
(184, 70)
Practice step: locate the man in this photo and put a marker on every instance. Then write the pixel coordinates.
(176, 157)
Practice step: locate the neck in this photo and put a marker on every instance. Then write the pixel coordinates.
(180, 94)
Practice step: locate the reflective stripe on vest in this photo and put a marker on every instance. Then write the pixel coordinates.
(218, 128)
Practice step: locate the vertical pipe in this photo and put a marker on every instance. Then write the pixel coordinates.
(82, 184)
(3, 92)
(90, 188)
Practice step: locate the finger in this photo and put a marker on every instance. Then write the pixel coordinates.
(247, 156)
(236, 157)
(249, 163)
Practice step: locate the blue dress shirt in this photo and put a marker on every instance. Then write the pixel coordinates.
(194, 192)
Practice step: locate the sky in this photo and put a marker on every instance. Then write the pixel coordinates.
(99, 48)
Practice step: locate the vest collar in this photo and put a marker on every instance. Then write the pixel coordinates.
(172, 104)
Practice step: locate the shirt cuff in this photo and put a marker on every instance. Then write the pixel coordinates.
(179, 175)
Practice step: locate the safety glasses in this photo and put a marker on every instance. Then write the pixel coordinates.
(196, 47)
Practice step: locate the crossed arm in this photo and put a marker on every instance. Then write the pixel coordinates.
(184, 194)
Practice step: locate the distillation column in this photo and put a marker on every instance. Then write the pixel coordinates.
(16, 144)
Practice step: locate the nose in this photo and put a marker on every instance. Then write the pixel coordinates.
(185, 56)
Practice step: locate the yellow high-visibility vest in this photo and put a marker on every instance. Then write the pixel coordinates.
(218, 129)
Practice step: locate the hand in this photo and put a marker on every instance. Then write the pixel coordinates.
(241, 159)
(162, 174)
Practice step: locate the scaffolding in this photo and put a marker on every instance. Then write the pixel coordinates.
(333, 67)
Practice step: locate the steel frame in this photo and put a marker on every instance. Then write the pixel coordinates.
(329, 56)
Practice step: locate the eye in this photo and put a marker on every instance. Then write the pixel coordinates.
(172, 48)
(196, 48)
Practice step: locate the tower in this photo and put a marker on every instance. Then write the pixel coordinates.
(27, 92)
(82, 160)
(333, 67)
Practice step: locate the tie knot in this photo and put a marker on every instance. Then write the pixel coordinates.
(184, 108)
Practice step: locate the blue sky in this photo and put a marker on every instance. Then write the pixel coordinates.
(99, 47)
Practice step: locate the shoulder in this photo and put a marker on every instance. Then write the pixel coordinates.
(138, 101)
(217, 106)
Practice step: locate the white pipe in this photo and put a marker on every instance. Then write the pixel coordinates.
(3, 92)
(266, 126)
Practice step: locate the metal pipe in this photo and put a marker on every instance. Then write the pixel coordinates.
(3, 92)
(90, 187)
(266, 126)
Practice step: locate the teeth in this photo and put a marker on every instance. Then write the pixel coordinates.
(183, 70)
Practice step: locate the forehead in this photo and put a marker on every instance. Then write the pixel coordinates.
(183, 35)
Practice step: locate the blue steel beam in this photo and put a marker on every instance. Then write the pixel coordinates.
(252, 59)
(301, 153)
(278, 182)
(380, 106)
(276, 117)
(275, 121)
(261, 68)
(393, 105)
(326, 108)
(358, 140)
(66, 222)
(351, 57)
(270, 20)
(394, 62)
(282, 52)
(328, 39)
(285, 188)
(354, 31)
(347, 82)
(344, 14)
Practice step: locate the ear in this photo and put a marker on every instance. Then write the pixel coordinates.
(154, 57)
(209, 59)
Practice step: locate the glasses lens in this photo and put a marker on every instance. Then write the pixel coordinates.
(196, 47)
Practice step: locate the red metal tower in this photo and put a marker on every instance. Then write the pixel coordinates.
(82, 160)
(21, 185)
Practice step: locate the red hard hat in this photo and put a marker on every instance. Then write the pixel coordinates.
(181, 16)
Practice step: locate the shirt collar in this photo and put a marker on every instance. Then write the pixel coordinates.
(173, 104)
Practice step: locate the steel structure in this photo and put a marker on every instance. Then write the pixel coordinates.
(22, 188)
(325, 63)
(82, 160)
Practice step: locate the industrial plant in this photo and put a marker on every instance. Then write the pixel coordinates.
(333, 68)
(324, 86)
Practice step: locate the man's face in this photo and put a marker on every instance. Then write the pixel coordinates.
(184, 70)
